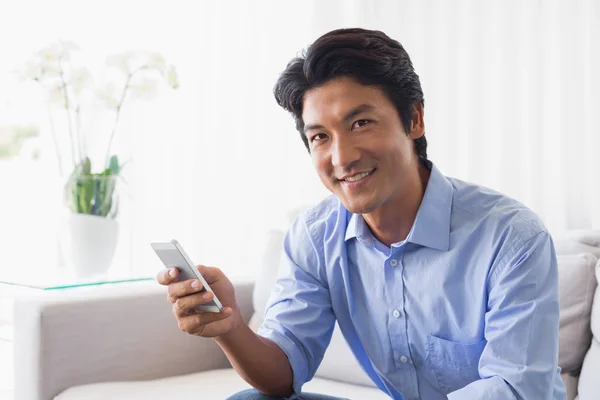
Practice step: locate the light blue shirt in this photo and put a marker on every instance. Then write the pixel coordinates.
(466, 307)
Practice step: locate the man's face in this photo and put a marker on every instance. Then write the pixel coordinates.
(358, 144)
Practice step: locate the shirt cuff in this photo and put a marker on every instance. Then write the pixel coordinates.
(493, 388)
(293, 354)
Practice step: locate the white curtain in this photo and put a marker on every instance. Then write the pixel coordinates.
(511, 89)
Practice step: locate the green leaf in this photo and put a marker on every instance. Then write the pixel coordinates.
(93, 193)
(74, 195)
(104, 199)
(113, 165)
(85, 193)
(86, 167)
(80, 194)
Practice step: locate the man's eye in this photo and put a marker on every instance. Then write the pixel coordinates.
(318, 136)
(360, 122)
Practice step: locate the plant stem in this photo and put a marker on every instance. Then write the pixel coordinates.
(65, 93)
(78, 131)
(112, 135)
(54, 137)
(118, 114)
(55, 140)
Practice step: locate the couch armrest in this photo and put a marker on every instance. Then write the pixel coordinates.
(108, 333)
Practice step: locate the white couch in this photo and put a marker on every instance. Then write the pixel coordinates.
(118, 342)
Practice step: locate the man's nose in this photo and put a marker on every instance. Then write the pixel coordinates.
(344, 153)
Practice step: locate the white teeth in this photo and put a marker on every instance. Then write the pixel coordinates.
(357, 177)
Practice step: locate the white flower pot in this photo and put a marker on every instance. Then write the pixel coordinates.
(89, 243)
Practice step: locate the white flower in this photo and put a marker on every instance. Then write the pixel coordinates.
(56, 96)
(60, 51)
(66, 49)
(49, 69)
(147, 89)
(49, 55)
(172, 78)
(122, 61)
(48, 59)
(156, 61)
(107, 96)
(31, 70)
(80, 78)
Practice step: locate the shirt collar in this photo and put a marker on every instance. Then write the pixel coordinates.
(358, 228)
(432, 223)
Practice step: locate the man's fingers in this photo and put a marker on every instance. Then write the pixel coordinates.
(183, 305)
(167, 276)
(195, 323)
(209, 317)
(210, 274)
(181, 289)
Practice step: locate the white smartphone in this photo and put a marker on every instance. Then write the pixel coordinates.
(172, 255)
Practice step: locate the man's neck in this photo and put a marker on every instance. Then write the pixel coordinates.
(392, 222)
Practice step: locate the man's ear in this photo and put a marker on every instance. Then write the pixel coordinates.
(417, 123)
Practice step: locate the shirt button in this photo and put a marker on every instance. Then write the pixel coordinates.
(396, 313)
(404, 359)
(393, 262)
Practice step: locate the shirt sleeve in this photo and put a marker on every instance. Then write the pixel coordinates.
(299, 317)
(520, 359)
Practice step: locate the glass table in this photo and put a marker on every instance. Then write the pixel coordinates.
(15, 282)
(65, 278)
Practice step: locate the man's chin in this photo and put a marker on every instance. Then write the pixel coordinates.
(356, 206)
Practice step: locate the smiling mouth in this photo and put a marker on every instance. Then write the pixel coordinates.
(357, 177)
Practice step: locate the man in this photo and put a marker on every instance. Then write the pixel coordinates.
(442, 289)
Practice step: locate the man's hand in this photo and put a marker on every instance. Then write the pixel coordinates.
(258, 360)
(184, 296)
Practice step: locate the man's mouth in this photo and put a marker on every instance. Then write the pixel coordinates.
(357, 177)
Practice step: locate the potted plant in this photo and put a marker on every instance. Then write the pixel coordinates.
(91, 196)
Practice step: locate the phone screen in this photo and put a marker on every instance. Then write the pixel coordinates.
(171, 256)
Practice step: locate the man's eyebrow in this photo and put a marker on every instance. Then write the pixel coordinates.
(357, 110)
(353, 113)
(312, 127)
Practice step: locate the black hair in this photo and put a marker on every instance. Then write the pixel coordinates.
(370, 57)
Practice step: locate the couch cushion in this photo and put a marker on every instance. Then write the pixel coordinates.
(269, 267)
(589, 385)
(216, 384)
(595, 323)
(575, 242)
(340, 364)
(570, 385)
(577, 285)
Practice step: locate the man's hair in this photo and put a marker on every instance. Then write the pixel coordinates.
(370, 57)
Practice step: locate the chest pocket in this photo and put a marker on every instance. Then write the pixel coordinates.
(455, 364)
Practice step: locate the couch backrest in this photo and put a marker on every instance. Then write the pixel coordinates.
(584, 244)
(589, 384)
(577, 285)
(578, 241)
(577, 254)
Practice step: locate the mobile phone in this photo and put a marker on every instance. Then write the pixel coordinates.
(172, 255)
